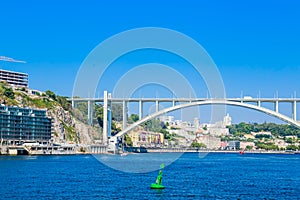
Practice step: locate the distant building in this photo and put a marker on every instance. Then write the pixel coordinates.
(210, 141)
(281, 143)
(227, 120)
(146, 139)
(23, 124)
(15, 79)
(223, 145)
(218, 128)
(196, 123)
(218, 131)
(233, 145)
(166, 118)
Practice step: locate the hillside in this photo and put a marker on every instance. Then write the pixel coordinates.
(68, 124)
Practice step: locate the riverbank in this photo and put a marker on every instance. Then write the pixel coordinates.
(219, 151)
(67, 150)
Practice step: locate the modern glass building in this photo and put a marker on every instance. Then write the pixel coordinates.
(16, 79)
(24, 124)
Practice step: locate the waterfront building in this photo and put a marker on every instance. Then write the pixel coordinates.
(146, 139)
(233, 145)
(15, 79)
(280, 143)
(19, 125)
(223, 145)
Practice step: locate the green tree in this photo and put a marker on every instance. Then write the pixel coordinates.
(153, 125)
(289, 140)
(9, 93)
(249, 147)
(260, 136)
(133, 118)
(198, 145)
(128, 141)
(292, 147)
(117, 112)
(66, 105)
(51, 95)
(267, 146)
(166, 134)
(99, 114)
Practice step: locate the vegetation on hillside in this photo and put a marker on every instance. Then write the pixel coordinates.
(285, 132)
(71, 134)
(7, 95)
(275, 129)
(198, 145)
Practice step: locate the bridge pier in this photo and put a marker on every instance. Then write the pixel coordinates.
(276, 106)
(105, 115)
(156, 106)
(258, 103)
(295, 110)
(140, 109)
(90, 112)
(124, 114)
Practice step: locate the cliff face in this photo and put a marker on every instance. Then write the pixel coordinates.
(67, 128)
(68, 124)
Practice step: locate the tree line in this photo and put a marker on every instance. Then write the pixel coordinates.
(275, 129)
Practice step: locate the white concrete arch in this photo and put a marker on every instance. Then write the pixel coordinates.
(210, 102)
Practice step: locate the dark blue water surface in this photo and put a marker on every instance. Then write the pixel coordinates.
(216, 176)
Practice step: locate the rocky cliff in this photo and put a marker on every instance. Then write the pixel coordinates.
(67, 128)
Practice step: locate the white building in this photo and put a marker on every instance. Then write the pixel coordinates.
(15, 79)
(227, 120)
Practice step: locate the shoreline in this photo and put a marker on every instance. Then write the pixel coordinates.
(166, 151)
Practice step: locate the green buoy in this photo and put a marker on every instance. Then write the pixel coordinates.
(158, 182)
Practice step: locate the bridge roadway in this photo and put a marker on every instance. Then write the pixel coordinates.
(119, 100)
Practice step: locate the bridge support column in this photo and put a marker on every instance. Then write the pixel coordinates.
(124, 114)
(140, 109)
(90, 112)
(73, 104)
(156, 106)
(259, 103)
(105, 116)
(295, 110)
(276, 107)
(173, 102)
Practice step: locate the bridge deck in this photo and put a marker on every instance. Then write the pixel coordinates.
(185, 99)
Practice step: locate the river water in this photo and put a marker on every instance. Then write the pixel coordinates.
(212, 176)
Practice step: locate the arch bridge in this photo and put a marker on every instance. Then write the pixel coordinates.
(180, 103)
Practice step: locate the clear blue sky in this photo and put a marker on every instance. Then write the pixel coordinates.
(255, 44)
